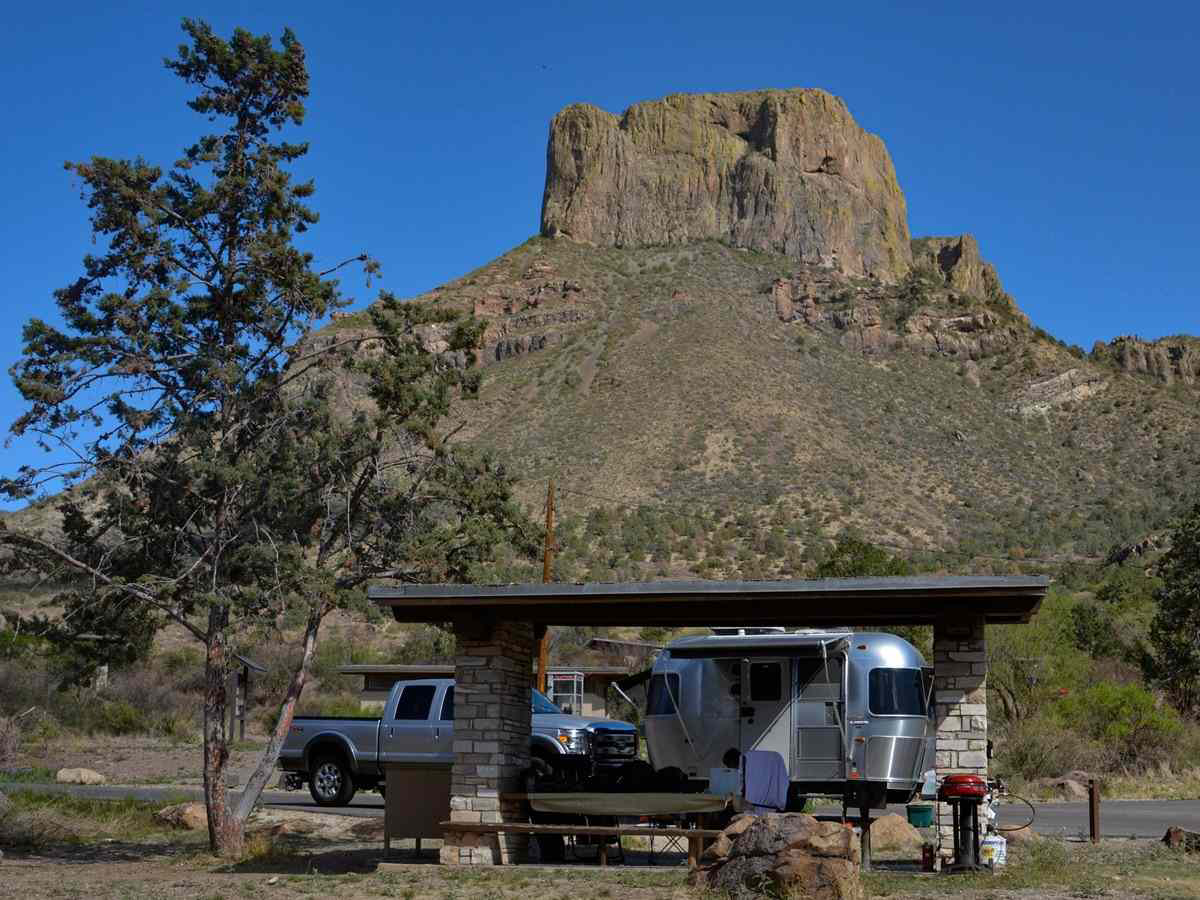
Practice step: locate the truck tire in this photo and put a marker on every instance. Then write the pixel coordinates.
(330, 782)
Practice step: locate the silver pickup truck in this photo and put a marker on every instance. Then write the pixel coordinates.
(338, 756)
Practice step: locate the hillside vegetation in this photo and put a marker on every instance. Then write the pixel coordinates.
(664, 384)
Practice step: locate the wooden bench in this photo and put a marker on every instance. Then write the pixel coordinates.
(695, 836)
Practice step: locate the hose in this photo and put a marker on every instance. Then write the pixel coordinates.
(1032, 815)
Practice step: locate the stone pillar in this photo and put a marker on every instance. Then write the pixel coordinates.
(493, 678)
(959, 678)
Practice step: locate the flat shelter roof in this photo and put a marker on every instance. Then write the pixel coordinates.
(919, 600)
(446, 670)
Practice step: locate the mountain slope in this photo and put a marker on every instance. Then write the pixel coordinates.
(706, 378)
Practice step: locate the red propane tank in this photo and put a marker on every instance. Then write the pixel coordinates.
(963, 786)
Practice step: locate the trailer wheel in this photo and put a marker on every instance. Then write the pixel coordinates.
(331, 783)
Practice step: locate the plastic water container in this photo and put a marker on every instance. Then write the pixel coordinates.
(920, 815)
(993, 850)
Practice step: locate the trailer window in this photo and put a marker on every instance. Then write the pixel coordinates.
(766, 681)
(896, 692)
(661, 694)
(414, 702)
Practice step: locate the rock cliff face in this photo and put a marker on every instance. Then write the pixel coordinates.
(958, 261)
(874, 319)
(1169, 360)
(783, 171)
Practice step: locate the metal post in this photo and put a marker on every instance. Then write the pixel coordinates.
(1094, 809)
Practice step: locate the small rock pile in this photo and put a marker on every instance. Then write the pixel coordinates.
(782, 853)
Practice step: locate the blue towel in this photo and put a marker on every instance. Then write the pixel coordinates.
(766, 780)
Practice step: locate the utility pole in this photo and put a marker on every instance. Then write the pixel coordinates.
(547, 577)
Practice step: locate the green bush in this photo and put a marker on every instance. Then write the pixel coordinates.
(1138, 730)
(1042, 747)
(118, 717)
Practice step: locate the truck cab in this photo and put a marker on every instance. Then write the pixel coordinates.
(338, 756)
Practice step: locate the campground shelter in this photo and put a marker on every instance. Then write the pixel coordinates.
(498, 627)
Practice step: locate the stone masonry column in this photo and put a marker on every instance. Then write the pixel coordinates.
(959, 678)
(493, 678)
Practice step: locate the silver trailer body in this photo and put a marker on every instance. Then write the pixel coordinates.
(850, 712)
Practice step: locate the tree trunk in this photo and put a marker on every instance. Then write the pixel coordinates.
(270, 755)
(226, 832)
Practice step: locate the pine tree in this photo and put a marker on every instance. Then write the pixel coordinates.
(1174, 661)
(215, 475)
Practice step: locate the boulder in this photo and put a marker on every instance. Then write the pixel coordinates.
(783, 171)
(743, 878)
(1025, 835)
(892, 832)
(821, 878)
(1065, 788)
(828, 839)
(789, 854)
(368, 829)
(188, 816)
(1180, 839)
(79, 776)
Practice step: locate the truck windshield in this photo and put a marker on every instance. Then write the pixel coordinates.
(896, 692)
(542, 705)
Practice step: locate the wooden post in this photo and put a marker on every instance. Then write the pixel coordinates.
(1094, 809)
(693, 851)
(547, 577)
(242, 699)
(864, 818)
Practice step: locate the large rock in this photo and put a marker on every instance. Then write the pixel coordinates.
(787, 171)
(79, 776)
(958, 262)
(1065, 788)
(1022, 835)
(1168, 359)
(834, 878)
(788, 854)
(189, 816)
(892, 832)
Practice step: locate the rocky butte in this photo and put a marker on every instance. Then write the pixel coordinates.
(783, 171)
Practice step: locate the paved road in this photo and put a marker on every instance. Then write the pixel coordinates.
(1118, 818)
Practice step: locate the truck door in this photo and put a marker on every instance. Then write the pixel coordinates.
(765, 717)
(406, 731)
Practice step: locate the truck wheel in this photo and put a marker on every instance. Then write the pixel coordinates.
(331, 783)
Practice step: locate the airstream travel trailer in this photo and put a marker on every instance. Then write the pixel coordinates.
(850, 712)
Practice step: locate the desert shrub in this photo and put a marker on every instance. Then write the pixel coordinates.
(1127, 719)
(1042, 747)
(116, 717)
(36, 830)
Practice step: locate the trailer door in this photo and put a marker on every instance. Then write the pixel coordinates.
(820, 718)
(765, 717)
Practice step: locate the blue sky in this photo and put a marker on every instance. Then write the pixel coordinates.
(1065, 136)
